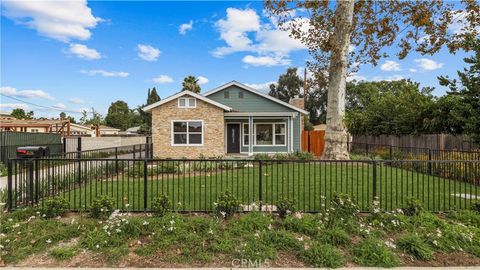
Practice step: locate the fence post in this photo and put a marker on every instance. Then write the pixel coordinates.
(133, 151)
(37, 179)
(79, 147)
(64, 145)
(260, 196)
(374, 189)
(145, 181)
(30, 181)
(116, 160)
(429, 161)
(9, 186)
(391, 155)
(366, 149)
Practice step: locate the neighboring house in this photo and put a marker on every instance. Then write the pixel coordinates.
(106, 130)
(233, 119)
(81, 130)
(132, 130)
(33, 125)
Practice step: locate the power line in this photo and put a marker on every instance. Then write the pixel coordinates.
(37, 105)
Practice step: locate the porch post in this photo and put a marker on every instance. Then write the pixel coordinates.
(250, 135)
(291, 134)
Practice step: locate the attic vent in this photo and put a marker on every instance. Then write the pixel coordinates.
(240, 94)
(226, 94)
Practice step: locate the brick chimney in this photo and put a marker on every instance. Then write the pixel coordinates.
(297, 102)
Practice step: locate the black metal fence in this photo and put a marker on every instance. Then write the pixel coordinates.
(121, 152)
(390, 152)
(194, 185)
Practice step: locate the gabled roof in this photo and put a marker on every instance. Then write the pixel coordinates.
(250, 89)
(183, 93)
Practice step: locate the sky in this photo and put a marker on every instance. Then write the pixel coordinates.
(73, 56)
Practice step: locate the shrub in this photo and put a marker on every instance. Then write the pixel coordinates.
(226, 205)
(102, 207)
(302, 223)
(373, 253)
(476, 206)
(301, 156)
(413, 207)
(161, 205)
(282, 240)
(343, 210)
(262, 156)
(467, 217)
(63, 253)
(335, 237)
(319, 255)
(415, 246)
(285, 207)
(55, 207)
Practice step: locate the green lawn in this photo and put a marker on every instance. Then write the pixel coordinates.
(308, 184)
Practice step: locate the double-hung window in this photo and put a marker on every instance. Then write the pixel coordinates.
(187, 102)
(187, 132)
(270, 134)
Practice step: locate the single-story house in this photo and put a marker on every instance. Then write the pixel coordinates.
(230, 119)
(106, 130)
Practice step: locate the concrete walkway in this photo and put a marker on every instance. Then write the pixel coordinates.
(4, 179)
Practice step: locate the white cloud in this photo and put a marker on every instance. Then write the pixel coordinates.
(10, 106)
(428, 64)
(460, 23)
(147, 52)
(82, 51)
(185, 27)
(267, 61)
(162, 79)
(264, 87)
(356, 77)
(202, 80)
(413, 70)
(11, 91)
(243, 31)
(388, 78)
(76, 100)
(60, 20)
(390, 65)
(105, 73)
(60, 106)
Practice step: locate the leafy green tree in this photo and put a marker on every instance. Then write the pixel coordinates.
(145, 118)
(19, 113)
(190, 83)
(330, 29)
(289, 85)
(119, 115)
(63, 115)
(388, 107)
(467, 90)
(95, 119)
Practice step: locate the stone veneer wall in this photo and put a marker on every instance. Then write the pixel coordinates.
(213, 128)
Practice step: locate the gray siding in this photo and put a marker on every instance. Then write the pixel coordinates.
(249, 103)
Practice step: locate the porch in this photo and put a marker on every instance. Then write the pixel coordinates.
(247, 134)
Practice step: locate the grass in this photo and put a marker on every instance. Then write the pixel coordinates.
(260, 238)
(308, 184)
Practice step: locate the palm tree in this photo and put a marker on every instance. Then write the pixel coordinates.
(190, 83)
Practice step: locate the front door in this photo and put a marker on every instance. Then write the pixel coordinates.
(233, 138)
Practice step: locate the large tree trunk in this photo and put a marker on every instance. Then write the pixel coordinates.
(336, 135)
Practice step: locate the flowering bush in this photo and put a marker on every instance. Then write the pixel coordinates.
(285, 207)
(55, 207)
(414, 245)
(102, 207)
(226, 205)
(161, 205)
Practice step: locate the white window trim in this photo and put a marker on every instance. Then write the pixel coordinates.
(187, 106)
(273, 139)
(172, 142)
(243, 134)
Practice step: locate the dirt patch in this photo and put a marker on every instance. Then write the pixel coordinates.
(443, 259)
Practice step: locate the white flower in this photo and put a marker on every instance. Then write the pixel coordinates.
(256, 235)
(435, 242)
(145, 223)
(127, 205)
(210, 231)
(97, 246)
(390, 244)
(48, 241)
(16, 225)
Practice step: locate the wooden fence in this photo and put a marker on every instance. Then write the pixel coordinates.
(432, 141)
(313, 142)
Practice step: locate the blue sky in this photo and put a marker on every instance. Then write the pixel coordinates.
(81, 55)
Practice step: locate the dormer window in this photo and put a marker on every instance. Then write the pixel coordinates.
(187, 102)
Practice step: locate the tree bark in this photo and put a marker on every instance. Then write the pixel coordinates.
(336, 134)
